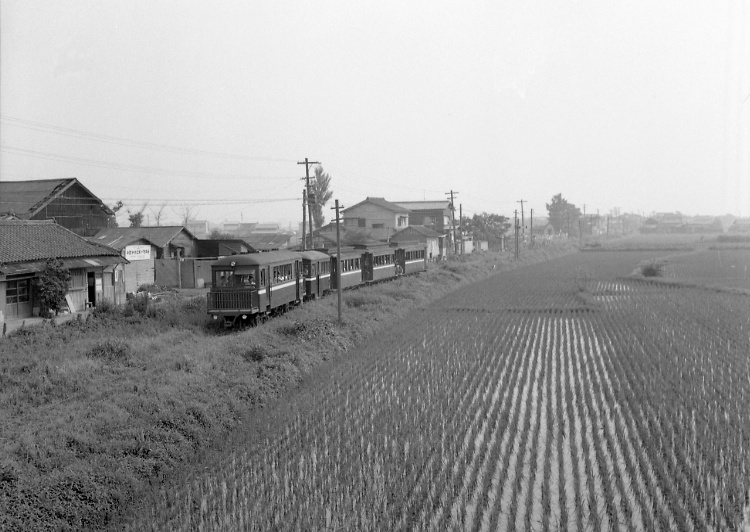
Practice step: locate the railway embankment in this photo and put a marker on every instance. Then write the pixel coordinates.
(99, 413)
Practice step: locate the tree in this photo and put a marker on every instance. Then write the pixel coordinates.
(563, 214)
(51, 286)
(351, 237)
(217, 234)
(158, 213)
(321, 193)
(115, 209)
(487, 226)
(187, 213)
(136, 217)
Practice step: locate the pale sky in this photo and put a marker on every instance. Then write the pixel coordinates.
(641, 105)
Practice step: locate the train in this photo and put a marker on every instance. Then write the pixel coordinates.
(248, 289)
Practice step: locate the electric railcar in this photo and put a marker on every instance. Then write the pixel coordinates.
(249, 288)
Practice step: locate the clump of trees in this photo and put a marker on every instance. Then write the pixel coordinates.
(563, 215)
(486, 226)
(320, 190)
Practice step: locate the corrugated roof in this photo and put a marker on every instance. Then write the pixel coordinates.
(25, 198)
(380, 202)
(119, 237)
(34, 240)
(440, 205)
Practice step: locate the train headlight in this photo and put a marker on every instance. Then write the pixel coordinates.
(216, 317)
(244, 316)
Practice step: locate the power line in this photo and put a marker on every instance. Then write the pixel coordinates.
(130, 167)
(48, 128)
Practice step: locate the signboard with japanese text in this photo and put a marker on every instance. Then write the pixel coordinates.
(137, 253)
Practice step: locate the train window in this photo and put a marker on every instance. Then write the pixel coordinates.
(222, 277)
(263, 277)
(356, 264)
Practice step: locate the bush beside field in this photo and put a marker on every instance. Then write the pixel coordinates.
(98, 411)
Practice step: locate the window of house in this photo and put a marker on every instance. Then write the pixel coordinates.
(402, 221)
(378, 226)
(78, 278)
(18, 291)
(361, 222)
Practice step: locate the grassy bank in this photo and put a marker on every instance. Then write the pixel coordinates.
(96, 412)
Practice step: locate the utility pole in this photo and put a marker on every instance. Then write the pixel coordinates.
(310, 198)
(338, 259)
(523, 222)
(531, 228)
(461, 226)
(304, 207)
(453, 218)
(515, 229)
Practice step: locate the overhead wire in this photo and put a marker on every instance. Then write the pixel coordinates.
(48, 128)
(130, 167)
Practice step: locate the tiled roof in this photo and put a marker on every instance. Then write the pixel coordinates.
(380, 202)
(440, 205)
(32, 240)
(119, 237)
(25, 198)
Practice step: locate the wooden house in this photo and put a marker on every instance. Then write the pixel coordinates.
(221, 247)
(96, 271)
(66, 201)
(436, 215)
(434, 241)
(380, 218)
(152, 252)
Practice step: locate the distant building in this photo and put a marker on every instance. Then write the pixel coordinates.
(221, 247)
(740, 225)
(436, 215)
(199, 228)
(66, 201)
(434, 241)
(380, 218)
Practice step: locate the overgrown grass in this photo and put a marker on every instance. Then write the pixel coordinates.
(95, 412)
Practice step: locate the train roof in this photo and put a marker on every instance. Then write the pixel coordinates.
(314, 255)
(258, 259)
(347, 253)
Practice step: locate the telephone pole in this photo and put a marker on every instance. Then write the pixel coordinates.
(531, 228)
(453, 218)
(523, 222)
(515, 230)
(304, 207)
(338, 258)
(309, 201)
(461, 226)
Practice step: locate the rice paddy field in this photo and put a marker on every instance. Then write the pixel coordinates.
(569, 395)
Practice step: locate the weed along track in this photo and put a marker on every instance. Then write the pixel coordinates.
(628, 416)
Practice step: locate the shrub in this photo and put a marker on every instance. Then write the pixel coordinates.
(651, 269)
(51, 286)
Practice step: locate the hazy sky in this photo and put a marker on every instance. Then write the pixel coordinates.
(640, 105)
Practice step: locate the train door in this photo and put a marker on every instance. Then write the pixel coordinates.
(400, 260)
(298, 280)
(367, 267)
(264, 288)
(316, 277)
